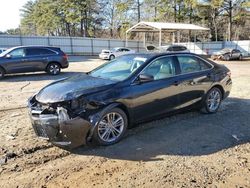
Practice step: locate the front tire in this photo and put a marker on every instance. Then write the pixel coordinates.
(2, 73)
(212, 101)
(240, 57)
(111, 57)
(111, 127)
(226, 57)
(53, 69)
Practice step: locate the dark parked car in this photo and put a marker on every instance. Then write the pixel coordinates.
(170, 49)
(177, 48)
(99, 106)
(227, 54)
(32, 59)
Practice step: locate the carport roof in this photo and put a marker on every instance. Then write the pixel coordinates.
(156, 26)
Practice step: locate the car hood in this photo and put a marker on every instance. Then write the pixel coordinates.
(70, 88)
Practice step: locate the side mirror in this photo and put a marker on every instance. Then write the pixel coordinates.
(8, 56)
(145, 78)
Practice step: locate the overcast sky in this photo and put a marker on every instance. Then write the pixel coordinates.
(10, 14)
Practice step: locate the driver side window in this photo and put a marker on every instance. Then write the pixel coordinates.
(17, 53)
(161, 68)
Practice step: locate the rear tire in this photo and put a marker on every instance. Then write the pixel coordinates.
(53, 69)
(212, 101)
(111, 127)
(2, 73)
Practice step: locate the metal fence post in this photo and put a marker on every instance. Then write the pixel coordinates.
(21, 40)
(71, 46)
(92, 47)
(109, 44)
(48, 41)
(248, 53)
(223, 44)
(202, 47)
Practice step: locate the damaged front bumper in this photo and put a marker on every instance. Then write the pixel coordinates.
(58, 127)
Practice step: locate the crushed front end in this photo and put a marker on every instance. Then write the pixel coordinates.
(58, 124)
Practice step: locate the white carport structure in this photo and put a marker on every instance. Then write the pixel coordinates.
(160, 27)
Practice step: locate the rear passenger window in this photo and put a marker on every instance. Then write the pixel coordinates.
(190, 64)
(38, 51)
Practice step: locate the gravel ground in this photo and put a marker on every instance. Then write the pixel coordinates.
(185, 150)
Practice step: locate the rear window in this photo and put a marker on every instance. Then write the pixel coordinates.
(39, 51)
(189, 64)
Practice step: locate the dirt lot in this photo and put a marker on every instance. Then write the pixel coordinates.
(185, 150)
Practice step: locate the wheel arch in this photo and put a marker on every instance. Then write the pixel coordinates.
(94, 119)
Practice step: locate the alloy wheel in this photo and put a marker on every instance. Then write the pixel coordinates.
(54, 69)
(111, 127)
(213, 100)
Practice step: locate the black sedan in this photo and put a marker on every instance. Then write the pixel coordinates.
(23, 59)
(227, 54)
(99, 106)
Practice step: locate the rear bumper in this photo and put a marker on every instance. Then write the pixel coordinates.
(65, 64)
(68, 133)
(227, 88)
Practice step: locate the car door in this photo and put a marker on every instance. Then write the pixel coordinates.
(159, 96)
(15, 61)
(195, 79)
(37, 58)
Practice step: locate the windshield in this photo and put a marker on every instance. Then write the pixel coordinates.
(225, 50)
(120, 68)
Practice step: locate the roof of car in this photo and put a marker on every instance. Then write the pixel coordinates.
(35, 46)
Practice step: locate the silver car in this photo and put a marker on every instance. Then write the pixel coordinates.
(227, 54)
